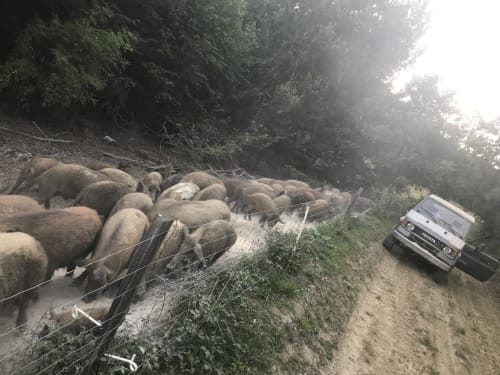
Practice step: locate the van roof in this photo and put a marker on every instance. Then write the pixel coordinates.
(453, 208)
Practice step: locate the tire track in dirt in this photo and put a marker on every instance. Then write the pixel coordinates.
(405, 323)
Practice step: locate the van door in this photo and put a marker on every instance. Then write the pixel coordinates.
(477, 264)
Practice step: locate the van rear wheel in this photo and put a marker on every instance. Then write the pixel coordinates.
(389, 242)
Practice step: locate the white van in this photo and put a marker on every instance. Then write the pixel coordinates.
(437, 230)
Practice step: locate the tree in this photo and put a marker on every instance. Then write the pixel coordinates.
(59, 62)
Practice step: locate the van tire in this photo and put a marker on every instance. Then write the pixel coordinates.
(440, 277)
(389, 242)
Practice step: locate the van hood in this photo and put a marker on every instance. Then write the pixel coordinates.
(442, 234)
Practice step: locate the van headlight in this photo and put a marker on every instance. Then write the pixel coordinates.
(410, 226)
(450, 253)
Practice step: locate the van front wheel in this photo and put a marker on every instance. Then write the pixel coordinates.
(389, 242)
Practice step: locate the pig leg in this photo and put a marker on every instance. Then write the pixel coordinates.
(22, 316)
(80, 279)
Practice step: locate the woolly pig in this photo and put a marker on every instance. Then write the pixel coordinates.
(23, 265)
(140, 201)
(101, 196)
(209, 242)
(166, 251)
(192, 213)
(17, 204)
(95, 165)
(120, 177)
(170, 181)
(65, 234)
(231, 184)
(297, 184)
(118, 240)
(337, 201)
(265, 180)
(151, 183)
(66, 180)
(34, 168)
(214, 191)
(65, 321)
(318, 210)
(264, 206)
(282, 202)
(182, 190)
(248, 188)
(301, 196)
(202, 179)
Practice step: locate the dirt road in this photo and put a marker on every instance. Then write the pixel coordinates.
(405, 323)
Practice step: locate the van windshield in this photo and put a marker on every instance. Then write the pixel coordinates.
(443, 215)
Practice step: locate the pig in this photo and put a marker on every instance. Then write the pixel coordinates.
(170, 181)
(66, 234)
(208, 243)
(66, 180)
(318, 210)
(140, 201)
(17, 204)
(34, 168)
(265, 207)
(117, 242)
(214, 191)
(119, 176)
(301, 196)
(244, 190)
(102, 196)
(95, 165)
(282, 202)
(202, 179)
(166, 251)
(191, 213)
(231, 184)
(151, 183)
(267, 181)
(65, 321)
(180, 191)
(23, 266)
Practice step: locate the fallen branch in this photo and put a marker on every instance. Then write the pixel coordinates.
(35, 137)
(43, 133)
(137, 162)
(244, 172)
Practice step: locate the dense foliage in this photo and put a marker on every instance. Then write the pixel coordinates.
(279, 86)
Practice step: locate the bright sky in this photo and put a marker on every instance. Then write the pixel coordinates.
(463, 49)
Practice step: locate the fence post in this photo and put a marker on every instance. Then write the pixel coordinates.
(142, 257)
(347, 215)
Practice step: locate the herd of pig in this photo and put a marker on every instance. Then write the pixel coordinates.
(110, 211)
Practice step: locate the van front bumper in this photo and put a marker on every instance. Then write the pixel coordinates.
(431, 258)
